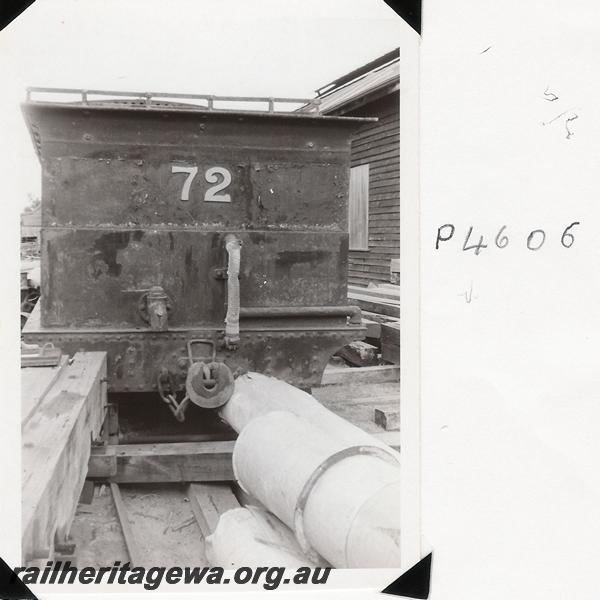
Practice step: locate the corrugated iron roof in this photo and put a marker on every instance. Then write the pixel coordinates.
(384, 59)
(366, 84)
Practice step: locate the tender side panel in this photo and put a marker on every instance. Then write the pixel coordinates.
(96, 278)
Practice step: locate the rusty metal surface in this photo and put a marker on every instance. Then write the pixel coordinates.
(114, 168)
(297, 356)
(96, 278)
(117, 221)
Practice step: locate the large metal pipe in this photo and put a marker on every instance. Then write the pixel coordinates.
(341, 501)
(255, 394)
(252, 537)
(334, 485)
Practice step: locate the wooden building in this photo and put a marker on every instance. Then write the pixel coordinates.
(374, 204)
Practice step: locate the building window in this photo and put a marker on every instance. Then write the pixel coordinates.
(358, 208)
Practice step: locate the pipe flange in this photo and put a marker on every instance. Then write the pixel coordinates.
(331, 460)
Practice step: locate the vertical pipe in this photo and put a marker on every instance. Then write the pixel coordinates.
(232, 320)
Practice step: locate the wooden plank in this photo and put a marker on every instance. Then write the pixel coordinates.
(379, 318)
(378, 145)
(385, 294)
(374, 258)
(209, 501)
(358, 375)
(386, 153)
(377, 270)
(386, 253)
(372, 305)
(385, 228)
(56, 447)
(390, 342)
(391, 286)
(357, 160)
(35, 383)
(135, 556)
(390, 210)
(373, 266)
(164, 463)
(386, 417)
(387, 134)
(384, 186)
(356, 277)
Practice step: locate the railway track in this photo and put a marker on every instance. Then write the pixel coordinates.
(144, 524)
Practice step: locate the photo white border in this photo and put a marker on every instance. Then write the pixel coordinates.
(350, 580)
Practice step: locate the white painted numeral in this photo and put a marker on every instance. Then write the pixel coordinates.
(192, 172)
(212, 176)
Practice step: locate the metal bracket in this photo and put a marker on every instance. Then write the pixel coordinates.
(221, 273)
(210, 342)
(33, 355)
(154, 307)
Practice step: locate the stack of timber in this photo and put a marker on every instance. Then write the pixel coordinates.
(62, 412)
(382, 299)
(381, 316)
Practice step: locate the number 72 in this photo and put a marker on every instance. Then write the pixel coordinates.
(212, 176)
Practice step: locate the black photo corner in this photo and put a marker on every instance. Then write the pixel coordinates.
(11, 9)
(413, 583)
(11, 587)
(409, 10)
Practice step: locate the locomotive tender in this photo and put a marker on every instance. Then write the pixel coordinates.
(180, 238)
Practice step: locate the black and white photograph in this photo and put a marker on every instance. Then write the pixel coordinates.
(308, 299)
(210, 290)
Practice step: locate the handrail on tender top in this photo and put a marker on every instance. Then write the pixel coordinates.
(148, 96)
